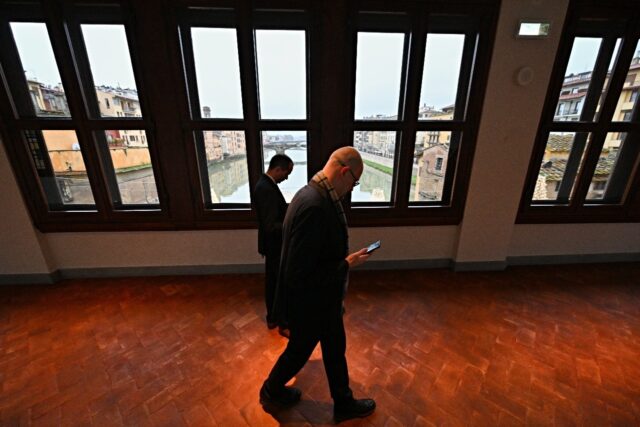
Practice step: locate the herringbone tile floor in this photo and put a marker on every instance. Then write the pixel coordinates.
(537, 346)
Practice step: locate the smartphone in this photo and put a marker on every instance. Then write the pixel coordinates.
(372, 247)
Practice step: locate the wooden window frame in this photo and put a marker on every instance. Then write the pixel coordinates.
(63, 21)
(246, 22)
(156, 42)
(476, 20)
(584, 19)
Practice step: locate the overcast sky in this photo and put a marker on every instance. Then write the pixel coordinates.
(281, 67)
(379, 68)
(109, 55)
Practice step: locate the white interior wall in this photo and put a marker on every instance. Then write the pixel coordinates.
(487, 233)
(510, 118)
(574, 239)
(20, 245)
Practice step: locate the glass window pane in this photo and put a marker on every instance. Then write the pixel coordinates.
(294, 145)
(563, 151)
(605, 87)
(378, 74)
(129, 154)
(227, 170)
(577, 78)
(629, 95)
(616, 161)
(111, 69)
(40, 69)
(429, 166)
(442, 59)
(377, 149)
(57, 157)
(215, 53)
(282, 74)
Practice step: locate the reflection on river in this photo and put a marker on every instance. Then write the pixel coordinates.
(375, 186)
(229, 180)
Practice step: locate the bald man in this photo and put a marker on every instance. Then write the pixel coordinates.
(314, 269)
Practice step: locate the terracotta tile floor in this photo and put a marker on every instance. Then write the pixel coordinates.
(537, 346)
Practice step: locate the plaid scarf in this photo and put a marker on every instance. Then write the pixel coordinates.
(323, 182)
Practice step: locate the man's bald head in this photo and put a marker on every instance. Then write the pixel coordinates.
(343, 169)
(348, 156)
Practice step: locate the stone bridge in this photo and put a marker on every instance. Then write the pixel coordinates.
(281, 146)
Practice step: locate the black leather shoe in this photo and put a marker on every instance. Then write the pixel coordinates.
(288, 396)
(284, 332)
(356, 408)
(271, 325)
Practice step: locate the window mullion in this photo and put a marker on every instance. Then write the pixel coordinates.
(589, 166)
(58, 23)
(414, 63)
(316, 66)
(464, 82)
(598, 138)
(626, 159)
(598, 78)
(189, 68)
(627, 52)
(452, 165)
(249, 87)
(572, 168)
(631, 148)
(13, 72)
(91, 107)
(195, 112)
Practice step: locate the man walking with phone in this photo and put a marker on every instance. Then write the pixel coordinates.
(314, 269)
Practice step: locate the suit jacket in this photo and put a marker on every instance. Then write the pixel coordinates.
(313, 268)
(270, 208)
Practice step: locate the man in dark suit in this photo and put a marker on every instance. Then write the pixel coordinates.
(314, 270)
(271, 208)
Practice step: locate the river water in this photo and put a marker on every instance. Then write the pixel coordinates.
(230, 180)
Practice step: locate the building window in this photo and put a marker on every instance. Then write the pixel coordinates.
(582, 170)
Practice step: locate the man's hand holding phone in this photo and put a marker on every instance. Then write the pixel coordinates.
(374, 246)
(357, 258)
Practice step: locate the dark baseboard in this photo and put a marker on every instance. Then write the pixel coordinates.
(114, 272)
(573, 259)
(177, 270)
(30, 279)
(408, 264)
(201, 270)
(479, 266)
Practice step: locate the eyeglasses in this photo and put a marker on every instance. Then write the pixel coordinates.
(355, 180)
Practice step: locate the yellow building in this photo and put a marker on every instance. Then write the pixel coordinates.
(116, 102)
(47, 100)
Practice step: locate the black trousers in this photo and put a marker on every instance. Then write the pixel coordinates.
(305, 335)
(272, 265)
